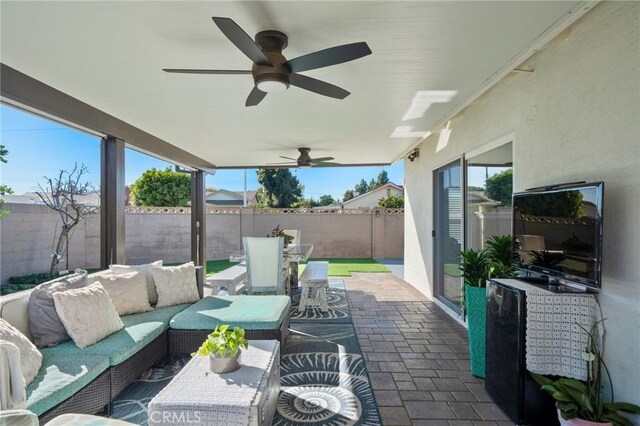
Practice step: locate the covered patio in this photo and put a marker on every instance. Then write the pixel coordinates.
(547, 89)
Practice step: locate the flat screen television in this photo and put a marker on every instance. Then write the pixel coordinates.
(558, 235)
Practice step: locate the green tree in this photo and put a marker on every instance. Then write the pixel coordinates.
(4, 189)
(306, 203)
(372, 185)
(348, 194)
(392, 202)
(279, 188)
(382, 178)
(326, 200)
(161, 188)
(499, 187)
(361, 187)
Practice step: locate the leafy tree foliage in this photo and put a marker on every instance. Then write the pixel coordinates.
(348, 194)
(499, 187)
(361, 187)
(4, 189)
(161, 188)
(559, 204)
(382, 178)
(279, 187)
(392, 202)
(372, 185)
(326, 200)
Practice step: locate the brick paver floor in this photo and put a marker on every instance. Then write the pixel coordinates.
(417, 356)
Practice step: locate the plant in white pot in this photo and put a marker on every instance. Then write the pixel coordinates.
(582, 404)
(223, 347)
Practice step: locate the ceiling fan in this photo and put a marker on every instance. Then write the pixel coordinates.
(305, 160)
(272, 71)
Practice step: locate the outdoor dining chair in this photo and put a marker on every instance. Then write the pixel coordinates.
(265, 267)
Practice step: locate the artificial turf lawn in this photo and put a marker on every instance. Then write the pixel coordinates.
(344, 267)
(452, 270)
(337, 267)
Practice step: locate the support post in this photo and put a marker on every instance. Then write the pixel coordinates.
(199, 226)
(112, 202)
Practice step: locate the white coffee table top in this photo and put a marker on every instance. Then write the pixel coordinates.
(216, 399)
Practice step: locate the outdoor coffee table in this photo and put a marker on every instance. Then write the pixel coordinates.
(247, 396)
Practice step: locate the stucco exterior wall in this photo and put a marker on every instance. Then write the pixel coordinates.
(576, 117)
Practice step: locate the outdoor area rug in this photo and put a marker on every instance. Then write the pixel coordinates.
(323, 375)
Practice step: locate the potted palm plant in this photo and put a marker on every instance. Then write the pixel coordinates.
(582, 404)
(223, 347)
(479, 266)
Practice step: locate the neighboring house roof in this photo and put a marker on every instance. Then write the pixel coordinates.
(223, 197)
(479, 197)
(92, 199)
(384, 187)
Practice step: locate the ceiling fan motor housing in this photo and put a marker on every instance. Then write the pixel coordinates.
(272, 44)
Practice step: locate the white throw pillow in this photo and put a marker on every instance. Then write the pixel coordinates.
(30, 356)
(87, 313)
(175, 284)
(128, 292)
(151, 287)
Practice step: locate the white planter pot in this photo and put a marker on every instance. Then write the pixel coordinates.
(225, 365)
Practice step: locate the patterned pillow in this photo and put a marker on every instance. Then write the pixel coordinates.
(30, 356)
(87, 313)
(44, 322)
(128, 292)
(151, 286)
(175, 284)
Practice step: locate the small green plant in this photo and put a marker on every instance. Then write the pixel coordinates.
(576, 399)
(277, 232)
(474, 265)
(223, 343)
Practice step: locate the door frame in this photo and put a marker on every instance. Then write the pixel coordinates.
(438, 284)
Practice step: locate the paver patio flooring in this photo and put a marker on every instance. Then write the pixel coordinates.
(417, 356)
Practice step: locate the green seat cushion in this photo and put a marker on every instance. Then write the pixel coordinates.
(139, 330)
(248, 312)
(60, 377)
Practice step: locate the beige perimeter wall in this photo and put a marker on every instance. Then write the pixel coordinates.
(576, 117)
(27, 235)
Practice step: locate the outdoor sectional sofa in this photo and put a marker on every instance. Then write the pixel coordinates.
(74, 380)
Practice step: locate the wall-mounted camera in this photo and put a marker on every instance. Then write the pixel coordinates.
(415, 154)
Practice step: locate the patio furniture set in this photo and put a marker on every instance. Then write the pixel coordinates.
(115, 337)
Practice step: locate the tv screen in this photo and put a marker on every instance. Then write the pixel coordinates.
(558, 233)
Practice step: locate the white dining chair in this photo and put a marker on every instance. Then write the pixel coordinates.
(264, 257)
(296, 234)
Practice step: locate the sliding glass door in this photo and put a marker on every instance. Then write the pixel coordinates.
(448, 233)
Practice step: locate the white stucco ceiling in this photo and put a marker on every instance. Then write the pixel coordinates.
(110, 55)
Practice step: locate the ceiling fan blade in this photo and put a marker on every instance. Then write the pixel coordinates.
(331, 56)
(282, 164)
(241, 39)
(326, 163)
(318, 86)
(255, 97)
(288, 158)
(321, 159)
(192, 71)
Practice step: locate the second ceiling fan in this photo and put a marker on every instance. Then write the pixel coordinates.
(272, 71)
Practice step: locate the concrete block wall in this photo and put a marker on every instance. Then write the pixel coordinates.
(27, 235)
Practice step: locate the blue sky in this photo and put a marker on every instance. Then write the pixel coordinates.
(39, 147)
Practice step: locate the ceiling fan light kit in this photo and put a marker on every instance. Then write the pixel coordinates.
(272, 72)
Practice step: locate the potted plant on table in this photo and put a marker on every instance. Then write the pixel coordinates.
(277, 232)
(223, 347)
(479, 266)
(582, 404)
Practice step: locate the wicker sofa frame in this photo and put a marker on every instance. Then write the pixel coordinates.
(99, 393)
(183, 342)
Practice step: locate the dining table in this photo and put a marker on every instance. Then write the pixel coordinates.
(293, 255)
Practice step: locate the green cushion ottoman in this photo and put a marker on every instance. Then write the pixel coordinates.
(263, 318)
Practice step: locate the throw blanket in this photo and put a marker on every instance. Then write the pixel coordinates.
(12, 388)
(555, 342)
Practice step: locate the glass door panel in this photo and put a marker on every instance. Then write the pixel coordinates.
(448, 234)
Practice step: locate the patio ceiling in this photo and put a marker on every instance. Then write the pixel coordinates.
(110, 55)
